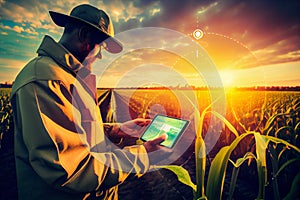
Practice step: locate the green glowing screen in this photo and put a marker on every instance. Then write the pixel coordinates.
(160, 125)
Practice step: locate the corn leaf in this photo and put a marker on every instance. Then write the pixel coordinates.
(228, 124)
(240, 161)
(181, 173)
(297, 127)
(218, 167)
(294, 192)
(234, 176)
(278, 140)
(282, 151)
(236, 117)
(200, 152)
(261, 147)
(236, 170)
(270, 122)
(274, 160)
(200, 156)
(216, 174)
(281, 129)
(286, 164)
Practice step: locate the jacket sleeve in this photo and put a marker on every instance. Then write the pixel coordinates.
(111, 130)
(57, 147)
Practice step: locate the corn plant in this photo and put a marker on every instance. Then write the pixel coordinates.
(6, 118)
(217, 171)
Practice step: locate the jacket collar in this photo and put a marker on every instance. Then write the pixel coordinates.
(59, 53)
(63, 57)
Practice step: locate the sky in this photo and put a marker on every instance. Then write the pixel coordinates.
(244, 43)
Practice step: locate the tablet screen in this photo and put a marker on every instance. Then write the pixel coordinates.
(160, 125)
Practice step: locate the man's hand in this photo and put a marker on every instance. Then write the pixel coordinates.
(156, 152)
(153, 145)
(133, 128)
(130, 131)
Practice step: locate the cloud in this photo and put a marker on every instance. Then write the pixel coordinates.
(11, 63)
(20, 29)
(269, 30)
(10, 68)
(133, 78)
(31, 31)
(285, 50)
(204, 9)
(17, 29)
(34, 13)
(154, 11)
(122, 11)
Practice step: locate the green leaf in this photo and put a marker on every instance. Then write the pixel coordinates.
(228, 124)
(234, 176)
(216, 174)
(278, 140)
(294, 192)
(235, 171)
(200, 159)
(282, 129)
(218, 167)
(286, 164)
(202, 198)
(181, 173)
(270, 123)
(236, 117)
(274, 160)
(282, 151)
(296, 127)
(200, 152)
(261, 147)
(240, 161)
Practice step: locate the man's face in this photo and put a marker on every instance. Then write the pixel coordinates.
(92, 49)
(93, 55)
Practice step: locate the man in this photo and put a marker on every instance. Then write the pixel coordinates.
(61, 150)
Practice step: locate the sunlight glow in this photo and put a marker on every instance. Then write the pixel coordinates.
(227, 78)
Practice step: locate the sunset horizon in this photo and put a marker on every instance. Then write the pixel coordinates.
(149, 99)
(258, 50)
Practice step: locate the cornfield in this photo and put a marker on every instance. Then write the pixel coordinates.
(259, 141)
(6, 129)
(256, 156)
(7, 162)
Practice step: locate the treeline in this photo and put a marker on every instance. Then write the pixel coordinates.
(255, 88)
(5, 85)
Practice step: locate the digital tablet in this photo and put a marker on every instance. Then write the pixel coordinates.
(160, 125)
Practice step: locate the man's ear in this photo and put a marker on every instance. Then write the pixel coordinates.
(83, 34)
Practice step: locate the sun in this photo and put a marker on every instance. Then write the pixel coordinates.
(227, 78)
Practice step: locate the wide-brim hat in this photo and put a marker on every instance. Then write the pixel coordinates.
(94, 18)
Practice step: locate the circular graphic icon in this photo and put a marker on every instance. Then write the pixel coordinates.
(198, 34)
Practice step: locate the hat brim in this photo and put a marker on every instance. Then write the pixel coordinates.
(112, 44)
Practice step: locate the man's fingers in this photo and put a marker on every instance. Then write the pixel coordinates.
(159, 140)
(153, 145)
(142, 122)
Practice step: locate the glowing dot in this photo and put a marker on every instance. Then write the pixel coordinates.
(198, 34)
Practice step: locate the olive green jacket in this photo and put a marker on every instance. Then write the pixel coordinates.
(61, 150)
